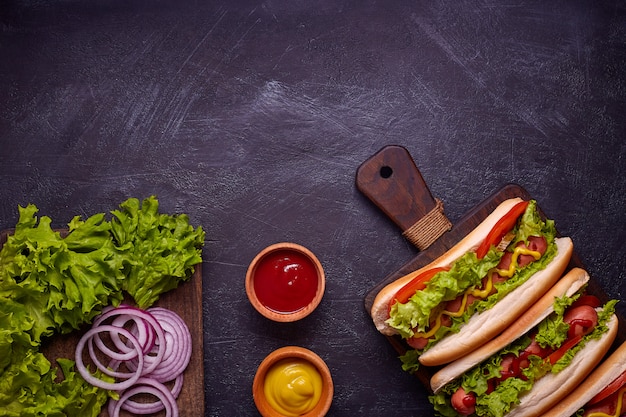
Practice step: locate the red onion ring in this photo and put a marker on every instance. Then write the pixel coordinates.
(156, 406)
(84, 372)
(142, 330)
(177, 349)
(125, 314)
(148, 386)
(157, 350)
(111, 369)
(146, 317)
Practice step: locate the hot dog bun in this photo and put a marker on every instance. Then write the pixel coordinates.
(484, 326)
(611, 368)
(552, 388)
(568, 285)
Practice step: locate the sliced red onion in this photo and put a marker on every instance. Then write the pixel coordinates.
(146, 317)
(156, 350)
(82, 369)
(156, 406)
(178, 359)
(144, 332)
(177, 353)
(112, 368)
(166, 400)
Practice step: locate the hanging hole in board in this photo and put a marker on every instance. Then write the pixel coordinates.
(386, 171)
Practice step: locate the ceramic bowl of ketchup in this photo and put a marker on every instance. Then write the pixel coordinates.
(285, 282)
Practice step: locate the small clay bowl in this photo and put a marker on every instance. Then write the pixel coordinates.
(293, 352)
(285, 282)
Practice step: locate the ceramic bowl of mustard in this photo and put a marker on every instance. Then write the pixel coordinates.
(293, 381)
(285, 282)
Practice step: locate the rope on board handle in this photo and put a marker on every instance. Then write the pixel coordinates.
(429, 228)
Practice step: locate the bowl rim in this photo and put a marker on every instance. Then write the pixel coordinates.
(297, 352)
(298, 314)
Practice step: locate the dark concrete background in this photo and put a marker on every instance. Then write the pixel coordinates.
(252, 117)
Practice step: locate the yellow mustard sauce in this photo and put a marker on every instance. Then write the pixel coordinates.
(293, 387)
(480, 293)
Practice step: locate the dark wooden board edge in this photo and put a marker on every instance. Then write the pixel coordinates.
(186, 301)
(467, 223)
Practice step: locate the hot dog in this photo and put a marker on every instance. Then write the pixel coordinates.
(536, 362)
(476, 289)
(599, 395)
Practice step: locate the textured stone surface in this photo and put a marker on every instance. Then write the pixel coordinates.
(252, 117)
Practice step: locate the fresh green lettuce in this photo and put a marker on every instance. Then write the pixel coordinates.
(61, 282)
(53, 283)
(466, 272)
(28, 388)
(162, 249)
(552, 331)
(603, 317)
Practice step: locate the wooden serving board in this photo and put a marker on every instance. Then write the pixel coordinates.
(186, 301)
(393, 183)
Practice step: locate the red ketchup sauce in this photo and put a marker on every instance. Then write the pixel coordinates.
(285, 281)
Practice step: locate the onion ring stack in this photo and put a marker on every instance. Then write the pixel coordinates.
(145, 351)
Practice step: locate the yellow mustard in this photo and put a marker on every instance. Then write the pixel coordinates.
(479, 293)
(293, 387)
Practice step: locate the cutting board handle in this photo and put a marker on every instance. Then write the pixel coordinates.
(391, 180)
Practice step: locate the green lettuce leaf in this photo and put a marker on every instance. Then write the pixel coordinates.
(28, 388)
(410, 360)
(552, 331)
(499, 402)
(531, 224)
(163, 252)
(603, 317)
(62, 282)
(466, 272)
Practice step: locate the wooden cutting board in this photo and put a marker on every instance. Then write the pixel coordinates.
(186, 301)
(391, 180)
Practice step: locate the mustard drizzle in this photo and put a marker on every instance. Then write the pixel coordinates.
(478, 293)
(516, 253)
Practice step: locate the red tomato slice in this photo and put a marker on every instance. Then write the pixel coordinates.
(416, 284)
(558, 354)
(501, 228)
(610, 389)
